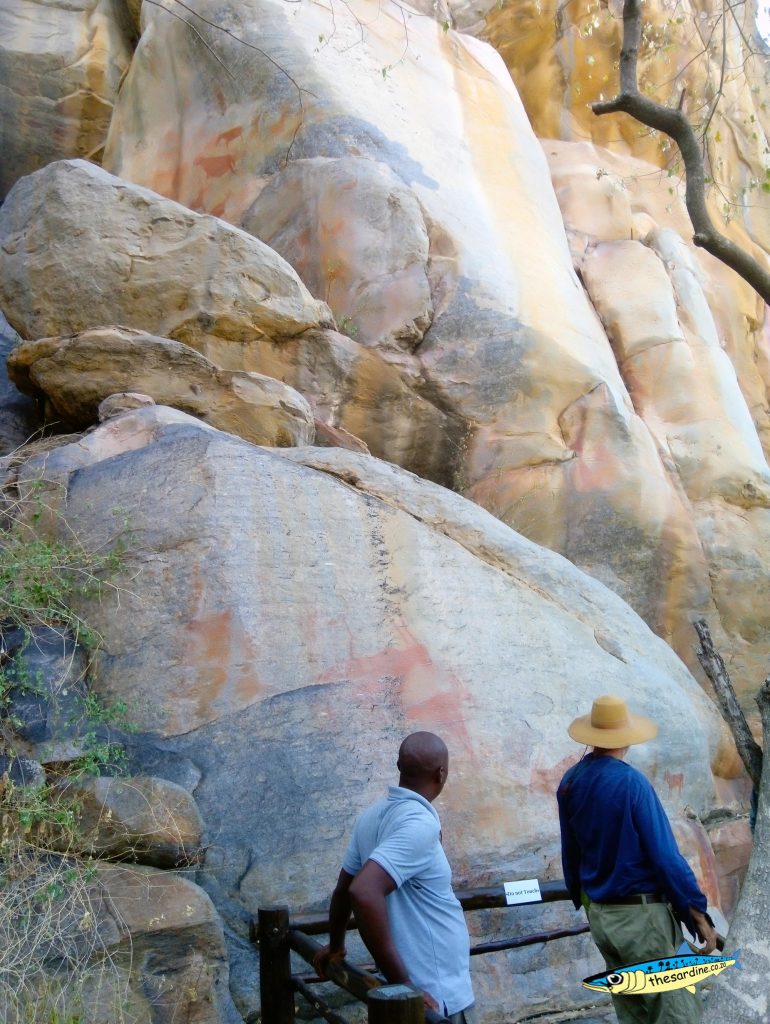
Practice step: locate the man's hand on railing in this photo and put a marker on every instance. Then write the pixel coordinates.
(430, 1002)
(327, 956)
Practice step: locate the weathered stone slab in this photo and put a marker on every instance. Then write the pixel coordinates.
(545, 434)
(75, 374)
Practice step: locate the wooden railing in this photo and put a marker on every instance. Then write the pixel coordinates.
(278, 935)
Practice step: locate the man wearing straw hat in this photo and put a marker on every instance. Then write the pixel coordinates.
(622, 863)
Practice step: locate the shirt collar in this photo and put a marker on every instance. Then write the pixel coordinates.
(401, 793)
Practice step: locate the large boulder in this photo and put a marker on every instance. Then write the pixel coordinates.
(167, 271)
(289, 615)
(106, 943)
(140, 818)
(76, 374)
(80, 248)
(166, 934)
(61, 62)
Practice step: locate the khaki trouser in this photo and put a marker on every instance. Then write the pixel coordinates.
(466, 1016)
(632, 934)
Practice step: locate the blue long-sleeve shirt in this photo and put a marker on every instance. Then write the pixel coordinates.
(616, 839)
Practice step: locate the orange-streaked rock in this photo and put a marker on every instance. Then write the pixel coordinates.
(60, 69)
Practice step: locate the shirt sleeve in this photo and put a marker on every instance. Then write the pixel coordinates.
(675, 876)
(570, 851)
(409, 848)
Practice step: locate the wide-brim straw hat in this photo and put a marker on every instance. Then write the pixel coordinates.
(611, 725)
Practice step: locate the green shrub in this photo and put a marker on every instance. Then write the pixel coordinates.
(54, 968)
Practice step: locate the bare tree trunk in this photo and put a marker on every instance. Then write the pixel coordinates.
(714, 667)
(672, 122)
(743, 997)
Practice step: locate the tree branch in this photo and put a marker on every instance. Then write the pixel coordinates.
(673, 123)
(714, 667)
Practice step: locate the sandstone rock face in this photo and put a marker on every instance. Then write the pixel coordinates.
(77, 373)
(545, 434)
(60, 68)
(79, 248)
(291, 615)
(687, 337)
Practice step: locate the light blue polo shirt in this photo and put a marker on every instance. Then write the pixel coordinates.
(402, 834)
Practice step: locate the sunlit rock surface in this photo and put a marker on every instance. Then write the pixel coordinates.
(696, 54)
(689, 339)
(79, 248)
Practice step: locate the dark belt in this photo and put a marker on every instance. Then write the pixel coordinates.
(633, 900)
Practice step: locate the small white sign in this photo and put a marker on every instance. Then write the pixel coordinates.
(525, 891)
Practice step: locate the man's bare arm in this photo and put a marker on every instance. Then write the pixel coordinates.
(367, 894)
(339, 912)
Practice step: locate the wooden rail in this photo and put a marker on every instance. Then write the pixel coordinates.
(278, 935)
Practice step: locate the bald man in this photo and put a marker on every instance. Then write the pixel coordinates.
(397, 881)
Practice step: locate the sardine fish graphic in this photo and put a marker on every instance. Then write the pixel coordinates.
(665, 975)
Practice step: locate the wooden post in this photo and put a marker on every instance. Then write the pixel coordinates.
(396, 1004)
(275, 987)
